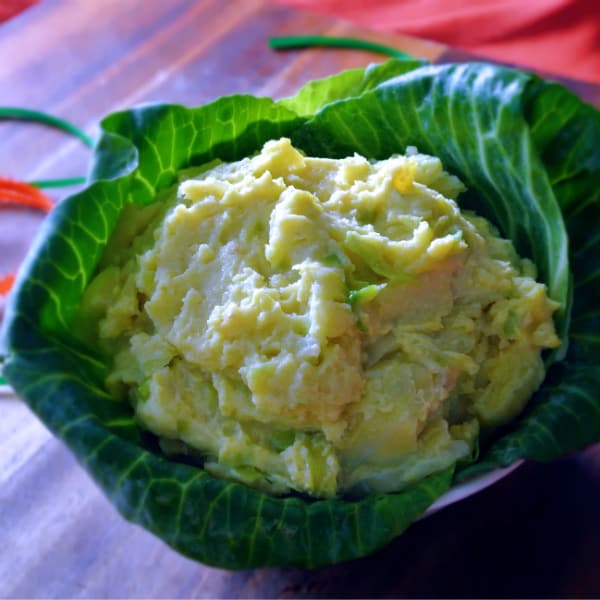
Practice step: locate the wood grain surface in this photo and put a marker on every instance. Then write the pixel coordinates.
(533, 534)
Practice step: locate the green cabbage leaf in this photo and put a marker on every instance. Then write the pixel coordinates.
(529, 152)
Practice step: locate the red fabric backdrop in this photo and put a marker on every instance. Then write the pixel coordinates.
(10, 8)
(558, 36)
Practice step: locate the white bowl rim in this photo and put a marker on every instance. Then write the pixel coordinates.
(470, 487)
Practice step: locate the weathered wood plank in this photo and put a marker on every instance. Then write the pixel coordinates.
(529, 535)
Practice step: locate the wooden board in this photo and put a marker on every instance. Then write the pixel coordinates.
(529, 535)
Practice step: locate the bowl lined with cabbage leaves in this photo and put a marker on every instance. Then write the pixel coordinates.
(527, 152)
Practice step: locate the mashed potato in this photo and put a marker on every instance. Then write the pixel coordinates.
(324, 326)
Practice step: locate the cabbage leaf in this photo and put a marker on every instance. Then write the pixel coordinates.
(528, 151)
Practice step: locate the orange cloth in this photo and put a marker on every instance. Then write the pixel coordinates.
(556, 36)
(11, 8)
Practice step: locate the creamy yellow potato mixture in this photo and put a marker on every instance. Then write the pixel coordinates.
(325, 326)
